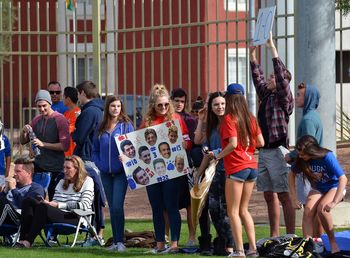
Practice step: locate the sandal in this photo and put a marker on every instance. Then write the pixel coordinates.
(237, 253)
(252, 253)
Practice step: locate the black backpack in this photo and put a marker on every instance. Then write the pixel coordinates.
(295, 247)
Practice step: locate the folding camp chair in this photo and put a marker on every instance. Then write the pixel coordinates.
(55, 229)
(9, 232)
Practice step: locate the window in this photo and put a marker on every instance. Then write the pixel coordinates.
(85, 70)
(231, 4)
(346, 66)
(240, 75)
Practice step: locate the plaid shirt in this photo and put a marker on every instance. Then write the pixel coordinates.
(276, 107)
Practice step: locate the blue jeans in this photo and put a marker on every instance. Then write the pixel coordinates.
(164, 196)
(115, 186)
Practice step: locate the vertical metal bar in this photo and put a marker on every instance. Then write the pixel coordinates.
(198, 53)
(75, 73)
(134, 62)
(189, 50)
(216, 43)
(20, 86)
(67, 26)
(38, 38)
(171, 45)
(152, 43)
(29, 62)
(180, 45)
(226, 42)
(86, 55)
(96, 40)
(143, 58)
(1, 67)
(237, 54)
(341, 72)
(48, 42)
(161, 42)
(208, 45)
(115, 17)
(11, 77)
(124, 48)
(106, 49)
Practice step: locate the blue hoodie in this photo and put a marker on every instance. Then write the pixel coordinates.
(86, 126)
(105, 153)
(310, 123)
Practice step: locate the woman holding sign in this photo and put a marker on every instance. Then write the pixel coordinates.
(105, 155)
(164, 196)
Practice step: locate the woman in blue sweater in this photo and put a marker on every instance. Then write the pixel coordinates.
(328, 182)
(105, 155)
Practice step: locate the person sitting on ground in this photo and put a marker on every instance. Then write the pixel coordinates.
(75, 191)
(328, 182)
(18, 188)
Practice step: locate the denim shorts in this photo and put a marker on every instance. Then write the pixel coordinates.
(247, 174)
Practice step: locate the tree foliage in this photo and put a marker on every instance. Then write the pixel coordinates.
(7, 19)
(343, 5)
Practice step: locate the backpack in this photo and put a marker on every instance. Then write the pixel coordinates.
(287, 246)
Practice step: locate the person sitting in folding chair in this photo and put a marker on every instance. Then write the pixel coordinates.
(75, 191)
(16, 190)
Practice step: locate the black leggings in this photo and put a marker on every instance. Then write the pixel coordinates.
(35, 215)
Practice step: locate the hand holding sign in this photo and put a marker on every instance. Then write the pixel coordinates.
(263, 25)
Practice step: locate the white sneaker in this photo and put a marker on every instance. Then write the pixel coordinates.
(119, 247)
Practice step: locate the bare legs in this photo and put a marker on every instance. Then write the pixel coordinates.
(315, 206)
(273, 207)
(237, 197)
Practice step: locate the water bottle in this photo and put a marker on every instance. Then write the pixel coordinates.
(35, 149)
(289, 252)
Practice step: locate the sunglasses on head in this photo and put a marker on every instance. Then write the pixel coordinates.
(52, 92)
(163, 105)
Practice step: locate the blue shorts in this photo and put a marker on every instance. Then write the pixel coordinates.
(247, 174)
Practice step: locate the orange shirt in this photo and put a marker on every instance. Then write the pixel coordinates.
(71, 116)
(241, 157)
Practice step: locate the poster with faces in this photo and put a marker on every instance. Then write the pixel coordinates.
(154, 154)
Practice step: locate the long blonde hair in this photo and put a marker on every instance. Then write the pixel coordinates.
(82, 174)
(157, 91)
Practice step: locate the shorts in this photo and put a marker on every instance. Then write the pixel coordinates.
(273, 171)
(244, 175)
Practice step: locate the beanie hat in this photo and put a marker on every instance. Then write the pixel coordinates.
(43, 95)
(235, 88)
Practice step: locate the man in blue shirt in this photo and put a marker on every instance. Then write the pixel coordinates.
(54, 87)
(17, 189)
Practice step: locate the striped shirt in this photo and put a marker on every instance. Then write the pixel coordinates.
(69, 199)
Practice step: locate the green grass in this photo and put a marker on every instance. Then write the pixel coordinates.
(39, 250)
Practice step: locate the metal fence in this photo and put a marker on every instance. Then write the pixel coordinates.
(125, 46)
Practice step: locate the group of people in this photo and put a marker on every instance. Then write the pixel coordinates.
(80, 143)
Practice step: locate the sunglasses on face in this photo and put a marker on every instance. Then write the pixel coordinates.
(53, 92)
(163, 105)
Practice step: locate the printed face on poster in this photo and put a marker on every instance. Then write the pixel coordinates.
(154, 154)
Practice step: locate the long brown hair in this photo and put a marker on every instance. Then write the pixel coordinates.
(308, 145)
(123, 117)
(157, 91)
(237, 108)
(212, 118)
(81, 171)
